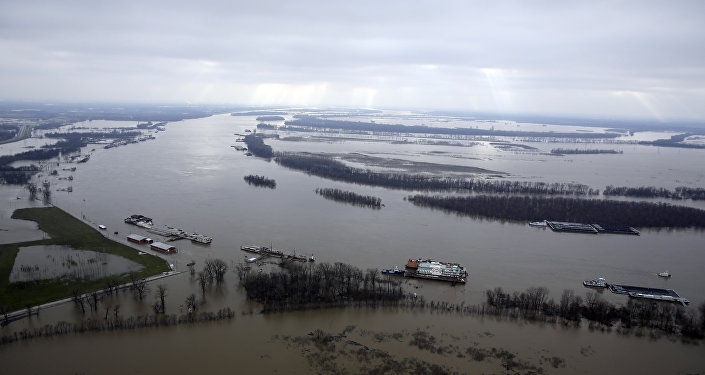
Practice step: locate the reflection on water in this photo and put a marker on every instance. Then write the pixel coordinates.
(51, 261)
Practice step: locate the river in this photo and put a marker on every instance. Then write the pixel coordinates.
(189, 177)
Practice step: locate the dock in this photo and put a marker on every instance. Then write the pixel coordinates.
(171, 233)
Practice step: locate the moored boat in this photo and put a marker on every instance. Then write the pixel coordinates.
(538, 223)
(665, 274)
(393, 271)
(596, 283)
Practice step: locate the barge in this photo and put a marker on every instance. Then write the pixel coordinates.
(435, 270)
(266, 251)
(668, 295)
(562, 226)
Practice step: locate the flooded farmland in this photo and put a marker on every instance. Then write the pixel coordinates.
(191, 178)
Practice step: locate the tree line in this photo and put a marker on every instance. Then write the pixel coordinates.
(270, 118)
(256, 145)
(6, 134)
(674, 141)
(568, 151)
(262, 181)
(316, 122)
(666, 317)
(349, 197)
(607, 212)
(329, 168)
(323, 284)
(681, 192)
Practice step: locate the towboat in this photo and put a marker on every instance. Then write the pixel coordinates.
(596, 283)
(393, 271)
(538, 223)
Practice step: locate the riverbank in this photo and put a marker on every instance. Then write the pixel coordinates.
(64, 230)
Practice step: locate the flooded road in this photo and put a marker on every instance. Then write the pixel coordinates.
(190, 178)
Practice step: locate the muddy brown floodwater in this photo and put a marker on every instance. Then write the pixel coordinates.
(190, 178)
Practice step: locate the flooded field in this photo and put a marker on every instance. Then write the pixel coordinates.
(191, 178)
(51, 261)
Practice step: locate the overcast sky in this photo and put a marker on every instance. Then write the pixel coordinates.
(611, 58)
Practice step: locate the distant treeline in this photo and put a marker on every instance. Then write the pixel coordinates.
(18, 175)
(567, 151)
(95, 135)
(116, 323)
(674, 141)
(260, 181)
(266, 126)
(325, 284)
(259, 113)
(46, 152)
(270, 118)
(350, 197)
(256, 145)
(680, 192)
(329, 168)
(315, 122)
(6, 134)
(607, 212)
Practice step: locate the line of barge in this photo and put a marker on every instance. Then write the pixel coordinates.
(266, 251)
(657, 294)
(564, 226)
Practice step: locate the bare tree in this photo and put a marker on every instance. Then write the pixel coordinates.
(203, 281)
(4, 310)
(191, 304)
(95, 297)
(216, 269)
(139, 285)
(77, 298)
(191, 267)
(161, 294)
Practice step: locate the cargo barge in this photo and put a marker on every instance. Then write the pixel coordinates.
(668, 295)
(165, 230)
(435, 270)
(266, 251)
(562, 226)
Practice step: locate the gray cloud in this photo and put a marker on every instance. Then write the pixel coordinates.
(602, 58)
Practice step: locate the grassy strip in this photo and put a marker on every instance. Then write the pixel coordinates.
(65, 230)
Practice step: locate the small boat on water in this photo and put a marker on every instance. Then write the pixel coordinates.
(538, 223)
(312, 258)
(596, 283)
(665, 274)
(393, 271)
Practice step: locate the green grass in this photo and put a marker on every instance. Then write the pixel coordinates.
(63, 229)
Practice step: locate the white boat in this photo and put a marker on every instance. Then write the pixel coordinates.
(251, 260)
(538, 223)
(665, 274)
(102, 227)
(596, 283)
